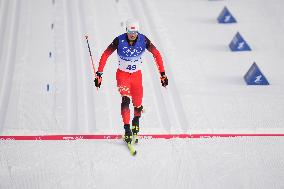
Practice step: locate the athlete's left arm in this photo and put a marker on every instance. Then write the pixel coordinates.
(156, 54)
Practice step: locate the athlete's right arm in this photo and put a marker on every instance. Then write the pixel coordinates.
(109, 50)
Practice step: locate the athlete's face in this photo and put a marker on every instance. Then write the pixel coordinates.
(132, 35)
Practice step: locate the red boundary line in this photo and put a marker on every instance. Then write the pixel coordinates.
(144, 136)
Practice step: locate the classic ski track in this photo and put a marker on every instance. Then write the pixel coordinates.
(80, 95)
(3, 23)
(8, 55)
(169, 102)
(173, 96)
(85, 69)
(72, 105)
(3, 28)
(111, 125)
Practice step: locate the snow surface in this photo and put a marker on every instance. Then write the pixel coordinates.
(43, 43)
(199, 163)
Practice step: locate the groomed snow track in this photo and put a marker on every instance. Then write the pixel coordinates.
(72, 105)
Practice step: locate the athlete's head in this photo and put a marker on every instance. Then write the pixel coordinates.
(132, 29)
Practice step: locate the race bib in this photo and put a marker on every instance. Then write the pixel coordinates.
(130, 65)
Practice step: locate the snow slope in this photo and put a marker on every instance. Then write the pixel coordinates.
(199, 163)
(43, 45)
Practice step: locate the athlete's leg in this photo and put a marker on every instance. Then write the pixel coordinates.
(123, 85)
(135, 120)
(137, 96)
(136, 90)
(125, 111)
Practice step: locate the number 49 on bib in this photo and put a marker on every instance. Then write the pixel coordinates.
(131, 67)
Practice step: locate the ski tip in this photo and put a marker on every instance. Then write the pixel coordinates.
(133, 152)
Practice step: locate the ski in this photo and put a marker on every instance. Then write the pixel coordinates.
(131, 149)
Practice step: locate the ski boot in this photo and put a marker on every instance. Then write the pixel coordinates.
(128, 139)
(128, 134)
(135, 128)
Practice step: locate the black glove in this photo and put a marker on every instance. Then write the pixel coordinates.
(98, 79)
(164, 79)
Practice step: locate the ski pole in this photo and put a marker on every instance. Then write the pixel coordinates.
(92, 61)
(90, 53)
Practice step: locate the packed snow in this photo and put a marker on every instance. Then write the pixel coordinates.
(47, 88)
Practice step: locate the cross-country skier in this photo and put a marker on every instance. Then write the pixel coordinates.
(130, 47)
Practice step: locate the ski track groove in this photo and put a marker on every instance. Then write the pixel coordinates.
(62, 61)
(24, 23)
(169, 103)
(104, 90)
(3, 30)
(81, 61)
(78, 71)
(72, 96)
(8, 58)
(94, 92)
(172, 95)
(3, 23)
(89, 100)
